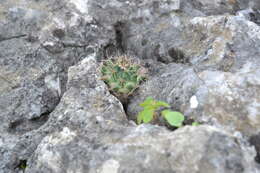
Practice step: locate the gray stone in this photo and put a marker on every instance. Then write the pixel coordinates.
(143, 149)
(250, 14)
(67, 122)
(210, 45)
(39, 41)
(163, 32)
(174, 84)
(217, 42)
(222, 98)
(232, 99)
(230, 42)
(92, 134)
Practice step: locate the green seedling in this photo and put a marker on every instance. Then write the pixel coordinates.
(173, 118)
(150, 106)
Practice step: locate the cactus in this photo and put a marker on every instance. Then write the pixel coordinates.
(122, 75)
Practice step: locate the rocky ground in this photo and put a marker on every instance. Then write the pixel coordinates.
(58, 116)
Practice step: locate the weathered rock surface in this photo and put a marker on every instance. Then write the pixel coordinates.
(204, 57)
(38, 42)
(167, 30)
(228, 99)
(143, 149)
(235, 102)
(174, 83)
(95, 136)
(254, 140)
(217, 42)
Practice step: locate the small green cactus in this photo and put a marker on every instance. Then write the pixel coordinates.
(122, 75)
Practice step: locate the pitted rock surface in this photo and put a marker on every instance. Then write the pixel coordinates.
(58, 116)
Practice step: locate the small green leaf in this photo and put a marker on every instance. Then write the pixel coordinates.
(162, 104)
(151, 103)
(173, 118)
(195, 123)
(148, 102)
(147, 115)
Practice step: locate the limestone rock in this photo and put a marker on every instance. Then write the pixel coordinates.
(39, 41)
(230, 98)
(143, 149)
(58, 116)
(92, 135)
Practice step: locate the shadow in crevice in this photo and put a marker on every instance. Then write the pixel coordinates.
(172, 55)
(22, 165)
(22, 126)
(178, 56)
(255, 17)
(119, 28)
(255, 141)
